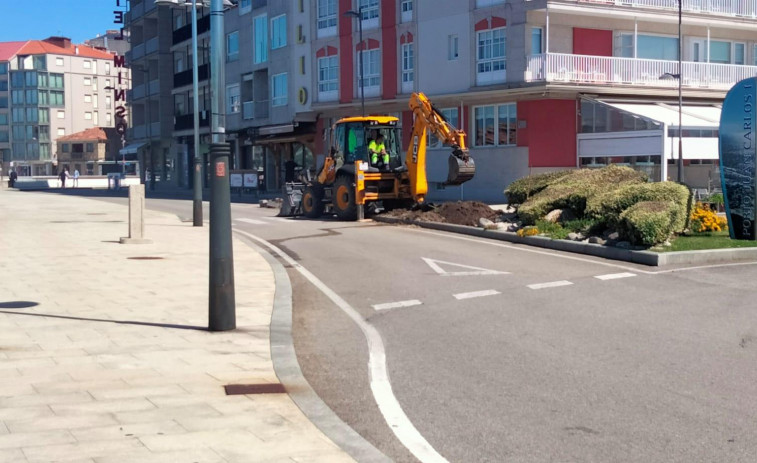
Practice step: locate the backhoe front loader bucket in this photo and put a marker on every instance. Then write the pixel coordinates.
(460, 171)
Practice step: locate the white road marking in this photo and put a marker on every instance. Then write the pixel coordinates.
(278, 219)
(471, 295)
(396, 305)
(615, 276)
(551, 284)
(252, 221)
(434, 264)
(387, 402)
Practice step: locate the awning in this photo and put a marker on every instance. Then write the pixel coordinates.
(130, 149)
(691, 116)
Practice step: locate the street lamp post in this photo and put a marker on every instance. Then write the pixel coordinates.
(359, 15)
(197, 171)
(680, 96)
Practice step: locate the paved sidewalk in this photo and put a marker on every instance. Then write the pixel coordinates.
(110, 361)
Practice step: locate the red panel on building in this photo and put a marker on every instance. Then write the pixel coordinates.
(389, 52)
(595, 42)
(482, 25)
(498, 22)
(346, 75)
(549, 132)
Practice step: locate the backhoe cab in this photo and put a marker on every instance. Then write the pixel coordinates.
(349, 179)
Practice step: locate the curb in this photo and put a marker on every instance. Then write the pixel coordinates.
(638, 257)
(287, 368)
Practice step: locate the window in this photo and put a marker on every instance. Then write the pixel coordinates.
(407, 62)
(44, 98)
(495, 125)
(326, 14)
(490, 54)
(56, 80)
(371, 69)
(17, 97)
(88, 98)
(649, 47)
(61, 131)
(4, 138)
(483, 3)
(59, 61)
(94, 100)
(90, 147)
(3, 85)
(232, 46)
(3, 69)
(452, 116)
(3, 119)
(407, 5)
(87, 64)
(31, 97)
(17, 115)
(452, 47)
(739, 53)
(370, 9)
(278, 32)
(279, 90)
(3, 101)
(107, 68)
(96, 118)
(108, 102)
(328, 74)
(17, 79)
(31, 78)
(245, 6)
(260, 25)
(108, 119)
(233, 104)
(42, 80)
(87, 81)
(720, 52)
(66, 147)
(88, 115)
(536, 35)
(61, 114)
(19, 133)
(44, 116)
(56, 98)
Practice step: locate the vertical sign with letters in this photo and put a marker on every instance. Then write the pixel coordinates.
(738, 159)
(119, 64)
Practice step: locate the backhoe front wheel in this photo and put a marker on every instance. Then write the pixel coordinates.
(344, 198)
(312, 201)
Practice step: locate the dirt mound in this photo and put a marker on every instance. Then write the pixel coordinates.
(459, 213)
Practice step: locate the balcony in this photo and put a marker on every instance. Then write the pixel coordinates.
(248, 110)
(606, 70)
(154, 87)
(183, 78)
(151, 46)
(740, 8)
(137, 10)
(261, 109)
(186, 121)
(184, 33)
(138, 51)
(138, 92)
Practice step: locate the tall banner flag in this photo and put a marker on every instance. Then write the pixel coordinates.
(738, 159)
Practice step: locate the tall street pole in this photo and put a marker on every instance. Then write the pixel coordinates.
(362, 53)
(197, 182)
(221, 301)
(680, 96)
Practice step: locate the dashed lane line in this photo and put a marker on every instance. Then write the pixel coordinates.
(615, 276)
(397, 305)
(471, 295)
(551, 284)
(252, 221)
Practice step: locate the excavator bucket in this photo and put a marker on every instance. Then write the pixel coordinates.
(460, 171)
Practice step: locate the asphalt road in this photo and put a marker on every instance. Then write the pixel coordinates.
(528, 356)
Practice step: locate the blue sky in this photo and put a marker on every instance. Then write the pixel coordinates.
(37, 19)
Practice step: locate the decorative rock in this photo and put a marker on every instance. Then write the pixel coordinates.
(623, 245)
(667, 244)
(486, 223)
(553, 216)
(613, 236)
(576, 236)
(596, 240)
(503, 226)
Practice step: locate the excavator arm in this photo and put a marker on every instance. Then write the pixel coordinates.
(429, 119)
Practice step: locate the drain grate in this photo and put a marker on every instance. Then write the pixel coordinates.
(146, 258)
(243, 389)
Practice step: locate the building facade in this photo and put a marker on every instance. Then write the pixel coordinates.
(92, 152)
(537, 85)
(52, 88)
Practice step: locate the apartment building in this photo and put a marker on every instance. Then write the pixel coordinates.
(50, 88)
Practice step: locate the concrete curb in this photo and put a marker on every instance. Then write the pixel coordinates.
(288, 370)
(598, 250)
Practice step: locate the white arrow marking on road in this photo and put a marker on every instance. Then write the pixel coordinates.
(396, 305)
(434, 264)
(252, 221)
(615, 276)
(551, 284)
(487, 292)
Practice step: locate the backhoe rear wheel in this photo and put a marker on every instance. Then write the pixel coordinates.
(312, 201)
(344, 198)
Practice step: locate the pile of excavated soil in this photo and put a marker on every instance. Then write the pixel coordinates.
(459, 213)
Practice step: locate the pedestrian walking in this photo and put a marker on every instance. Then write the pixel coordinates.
(62, 177)
(12, 178)
(76, 178)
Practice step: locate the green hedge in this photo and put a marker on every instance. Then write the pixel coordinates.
(575, 190)
(609, 205)
(522, 189)
(648, 222)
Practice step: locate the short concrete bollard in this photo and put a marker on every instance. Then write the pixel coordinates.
(136, 216)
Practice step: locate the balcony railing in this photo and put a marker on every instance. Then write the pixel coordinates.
(137, 10)
(183, 78)
(185, 32)
(154, 87)
(743, 8)
(604, 70)
(138, 92)
(248, 110)
(151, 46)
(186, 121)
(261, 109)
(138, 51)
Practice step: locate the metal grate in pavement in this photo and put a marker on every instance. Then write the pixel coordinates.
(243, 389)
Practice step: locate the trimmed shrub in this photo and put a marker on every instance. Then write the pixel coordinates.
(647, 222)
(574, 190)
(608, 206)
(522, 189)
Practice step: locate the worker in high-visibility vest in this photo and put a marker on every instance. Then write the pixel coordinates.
(376, 148)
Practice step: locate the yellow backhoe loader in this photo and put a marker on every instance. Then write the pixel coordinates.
(355, 174)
